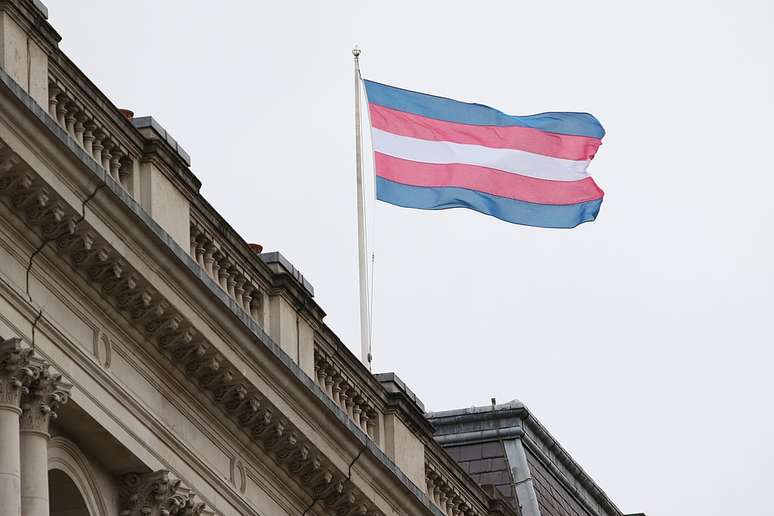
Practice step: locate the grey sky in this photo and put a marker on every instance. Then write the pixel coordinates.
(642, 341)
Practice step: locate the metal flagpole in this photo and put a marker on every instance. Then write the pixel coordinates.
(365, 333)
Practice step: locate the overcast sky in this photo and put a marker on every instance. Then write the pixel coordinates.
(642, 341)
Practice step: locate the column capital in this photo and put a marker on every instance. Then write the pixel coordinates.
(16, 374)
(156, 494)
(46, 392)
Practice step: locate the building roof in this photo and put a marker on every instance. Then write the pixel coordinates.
(510, 453)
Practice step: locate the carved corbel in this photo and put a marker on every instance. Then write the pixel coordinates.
(193, 351)
(273, 435)
(34, 205)
(310, 470)
(331, 494)
(195, 369)
(249, 412)
(20, 189)
(341, 502)
(213, 379)
(321, 483)
(285, 446)
(171, 341)
(298, 459)
(262, 424)
(233, 402)
(10, 178)
(54, 224)
(163, 325)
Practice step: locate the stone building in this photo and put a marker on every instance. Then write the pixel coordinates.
(154, 363)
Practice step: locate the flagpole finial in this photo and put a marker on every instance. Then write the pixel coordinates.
(356, 51)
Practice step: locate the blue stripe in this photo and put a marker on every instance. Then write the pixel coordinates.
(441, 108)
(509, 210)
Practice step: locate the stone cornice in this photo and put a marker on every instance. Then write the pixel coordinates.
(81, 244)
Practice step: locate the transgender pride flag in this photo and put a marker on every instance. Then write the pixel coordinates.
(435, 153)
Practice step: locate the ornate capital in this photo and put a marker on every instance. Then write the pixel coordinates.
(158, 494)
(45, 393)
(15, 372)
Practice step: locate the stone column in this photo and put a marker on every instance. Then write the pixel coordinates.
(46, 392)
(15, 375)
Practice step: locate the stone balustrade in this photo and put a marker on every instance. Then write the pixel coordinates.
(335, 381)
(228, 273)
(98, 142)
(447, 494)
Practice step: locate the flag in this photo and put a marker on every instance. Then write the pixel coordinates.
(435, 153)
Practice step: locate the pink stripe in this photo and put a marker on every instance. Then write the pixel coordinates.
(487, 180)
(520, 138)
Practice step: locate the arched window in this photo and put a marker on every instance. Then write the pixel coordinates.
(72, 485)
(64, 497)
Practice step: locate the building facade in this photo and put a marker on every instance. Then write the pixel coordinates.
(152, 362)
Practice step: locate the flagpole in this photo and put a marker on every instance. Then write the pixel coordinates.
(365, 334)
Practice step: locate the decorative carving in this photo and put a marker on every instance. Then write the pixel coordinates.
(158, 494)
(45, 394)
(15, 371)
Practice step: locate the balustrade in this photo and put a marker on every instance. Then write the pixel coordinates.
(86, 131)
(227, 273)
(334, 382)
(445, 495)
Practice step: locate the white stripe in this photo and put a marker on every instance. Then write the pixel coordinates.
(507, 160)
